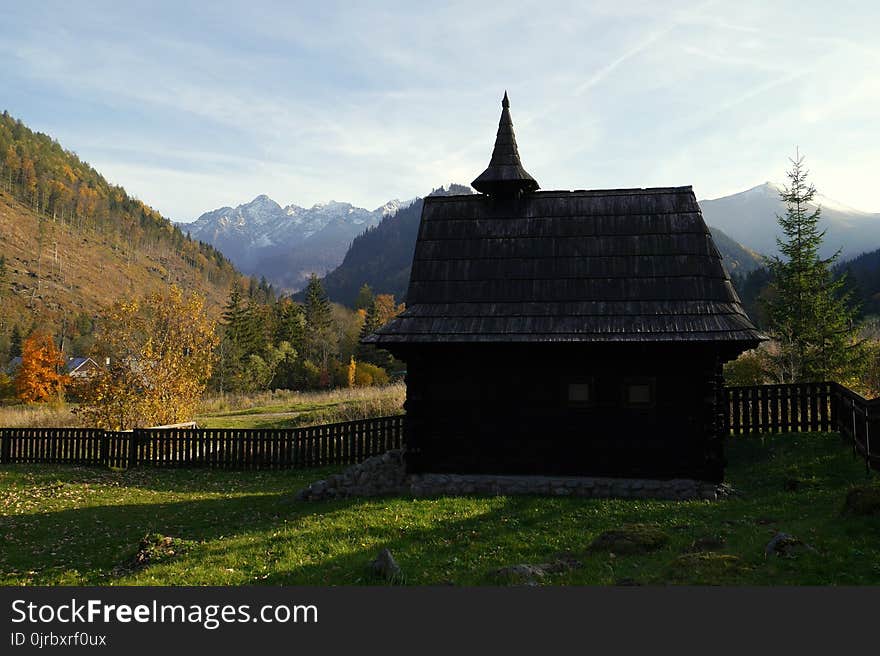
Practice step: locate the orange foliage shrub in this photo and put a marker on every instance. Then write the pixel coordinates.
(38, 379)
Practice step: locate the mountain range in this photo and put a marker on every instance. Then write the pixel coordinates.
(749, 217)
(286, 244)
(351, 245)
(382, 256)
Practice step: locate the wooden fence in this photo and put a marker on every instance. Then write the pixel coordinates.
(220, 448)
(805, 407)
(778, 408)
(745, 410)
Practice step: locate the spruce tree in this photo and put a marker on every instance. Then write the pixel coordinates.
(364, 298)
(808, 312)
(238, 342)
(320, 340)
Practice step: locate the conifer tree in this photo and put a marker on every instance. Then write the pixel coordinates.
(15, 342)
(320, 342)
(290, 323)
(240, 340)
(364, 298)
(808, 312)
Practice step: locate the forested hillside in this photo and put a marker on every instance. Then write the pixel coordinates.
(381, 257)
(863, 273)
(70, 242)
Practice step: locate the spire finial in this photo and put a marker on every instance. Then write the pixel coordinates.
(505, 175)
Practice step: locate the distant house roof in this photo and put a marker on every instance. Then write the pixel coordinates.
(75, 364)
(617, 265)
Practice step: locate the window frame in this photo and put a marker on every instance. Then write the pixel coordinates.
(650, 381)
(590, 381)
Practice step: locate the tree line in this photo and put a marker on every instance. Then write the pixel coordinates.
(310, 345)
(158, 355)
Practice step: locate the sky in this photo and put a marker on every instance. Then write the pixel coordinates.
(195, 106)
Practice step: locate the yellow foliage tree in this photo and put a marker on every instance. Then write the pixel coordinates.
(387, 308)
(352, 371)
(39, 379)
(161, 354)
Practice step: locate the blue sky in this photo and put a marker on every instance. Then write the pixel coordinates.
(192, 106)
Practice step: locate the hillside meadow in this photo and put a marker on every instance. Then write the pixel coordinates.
(271, 409)
(83, 526)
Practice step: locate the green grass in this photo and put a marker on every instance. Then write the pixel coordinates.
(67, 525)
(289, 409)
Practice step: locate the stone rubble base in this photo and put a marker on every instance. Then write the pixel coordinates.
(385, 475)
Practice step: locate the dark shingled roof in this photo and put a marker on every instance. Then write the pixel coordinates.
(619, 265)
(505, 175)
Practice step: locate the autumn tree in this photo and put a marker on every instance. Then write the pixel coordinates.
(808, 312)
(161, 356)
(381, 310)
(29, 179)
(39, 377)
(12, 164)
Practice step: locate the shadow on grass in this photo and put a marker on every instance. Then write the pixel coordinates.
(254, 532)
(183, 480)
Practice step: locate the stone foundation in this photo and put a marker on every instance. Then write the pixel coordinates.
(385, 475)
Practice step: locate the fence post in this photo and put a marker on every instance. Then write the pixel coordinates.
(105, 449)
(852, 403)
(4, 446)
(132, 449)
(867, 442)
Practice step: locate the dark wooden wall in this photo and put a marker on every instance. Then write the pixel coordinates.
(506, 410)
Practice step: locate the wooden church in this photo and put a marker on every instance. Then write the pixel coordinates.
(565, 332)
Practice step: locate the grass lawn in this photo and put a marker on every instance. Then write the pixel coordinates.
(69, 525)
(289, 409)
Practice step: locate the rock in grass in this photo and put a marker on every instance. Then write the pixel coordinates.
(153, 548)
(863, 500)
(521, 573)
(528, 574)
(705, 568)
(785, 546)
(630, 539)
(386, 567)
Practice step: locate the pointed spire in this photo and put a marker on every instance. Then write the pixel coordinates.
(505, 175)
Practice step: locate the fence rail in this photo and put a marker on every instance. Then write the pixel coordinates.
(344, 443)
(778, 408)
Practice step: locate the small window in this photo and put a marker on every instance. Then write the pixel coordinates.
(580, 393)
(639, 392)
